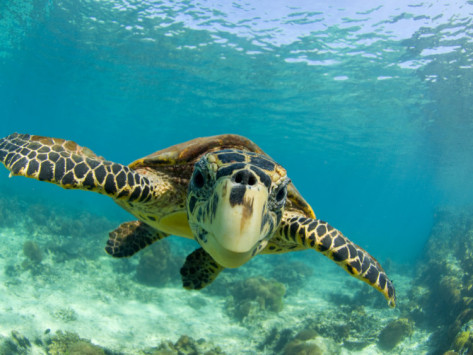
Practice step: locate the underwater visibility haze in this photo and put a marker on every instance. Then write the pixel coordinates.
(367, 105)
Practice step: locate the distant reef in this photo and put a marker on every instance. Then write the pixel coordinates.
(441, 297)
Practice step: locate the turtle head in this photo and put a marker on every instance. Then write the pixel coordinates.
(234, 204)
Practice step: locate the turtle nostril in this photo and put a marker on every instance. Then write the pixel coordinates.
(244, 177)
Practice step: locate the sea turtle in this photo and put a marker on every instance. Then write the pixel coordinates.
(223, 191)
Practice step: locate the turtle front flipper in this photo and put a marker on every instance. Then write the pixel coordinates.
(71, 166)
(315, 234)
(131, 237)
(199, 270)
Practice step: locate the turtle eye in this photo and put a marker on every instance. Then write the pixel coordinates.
(198, 179)
(281, 195)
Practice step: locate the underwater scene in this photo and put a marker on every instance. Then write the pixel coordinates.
(341, 224)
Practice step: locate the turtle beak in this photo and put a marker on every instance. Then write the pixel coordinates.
(239, 222)
(238, 218)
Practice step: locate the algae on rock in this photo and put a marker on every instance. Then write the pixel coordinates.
(71, 344)
(394, 333)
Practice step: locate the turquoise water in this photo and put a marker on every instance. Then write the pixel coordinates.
(367, 105)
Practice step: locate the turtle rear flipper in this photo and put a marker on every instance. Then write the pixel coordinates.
(71, 166)
(131, 237)
(199, 270)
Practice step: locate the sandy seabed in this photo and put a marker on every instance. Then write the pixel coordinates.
(89, 297)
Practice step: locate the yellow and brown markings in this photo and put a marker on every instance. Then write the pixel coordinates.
(247, 169)
(199, 270)
(229, 156)
(71, 166)
(241, 171)
(130, 237)
(299, 231)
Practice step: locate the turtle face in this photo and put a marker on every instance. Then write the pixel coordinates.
(235, 203)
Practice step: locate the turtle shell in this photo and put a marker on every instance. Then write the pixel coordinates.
(178, 160)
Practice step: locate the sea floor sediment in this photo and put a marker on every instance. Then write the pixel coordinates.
(61, 293)
(99, 299)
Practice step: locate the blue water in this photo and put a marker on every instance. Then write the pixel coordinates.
(367, 104)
